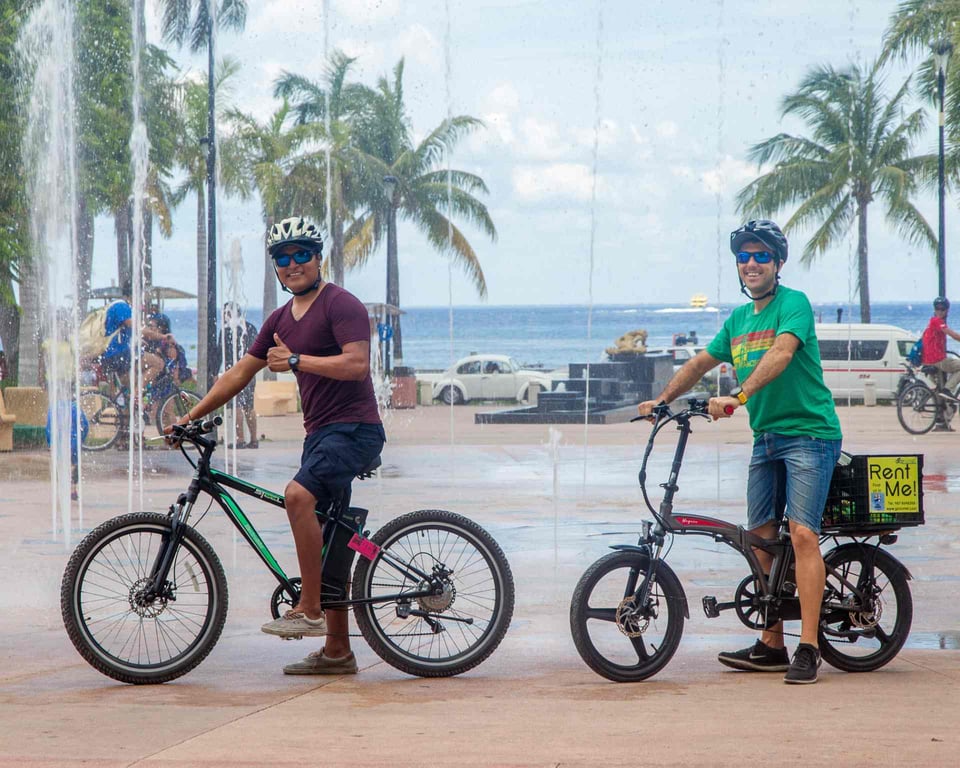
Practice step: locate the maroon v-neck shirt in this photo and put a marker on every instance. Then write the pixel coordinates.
(335, 318)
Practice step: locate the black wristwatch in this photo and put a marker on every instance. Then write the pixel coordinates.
(293, 361)
(738, 393)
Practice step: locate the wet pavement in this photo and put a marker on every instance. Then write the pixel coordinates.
(554, 507)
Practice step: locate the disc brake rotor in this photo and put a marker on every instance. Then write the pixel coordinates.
(437, 603)
(146, 609)
(629, 622)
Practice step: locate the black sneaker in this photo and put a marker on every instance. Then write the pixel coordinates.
(759, 657)
(803, 669)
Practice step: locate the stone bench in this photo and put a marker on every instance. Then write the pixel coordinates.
(29, 406)
(275, 398)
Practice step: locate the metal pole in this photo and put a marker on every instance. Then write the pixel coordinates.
(391, 289)
(941, 255)
(211, 328)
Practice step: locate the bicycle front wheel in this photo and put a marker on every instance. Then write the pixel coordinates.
(618, 637)
(917, 409)
(443, 634)
(862, 633)
(116, 627)
(175, 408)
(104, 421)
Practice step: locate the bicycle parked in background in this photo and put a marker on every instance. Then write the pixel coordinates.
(628, 608)
(108, 415)
(921, 407)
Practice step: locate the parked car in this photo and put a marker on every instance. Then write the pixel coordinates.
(487, 377)
(721, 379)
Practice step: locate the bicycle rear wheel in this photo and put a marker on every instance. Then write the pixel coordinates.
(115, 627)
(863, 634)
(439, 635)
(175, 408)
(104, 421)
(917, 409)
(618, 638)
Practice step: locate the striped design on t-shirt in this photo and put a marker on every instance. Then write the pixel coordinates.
(748, 348)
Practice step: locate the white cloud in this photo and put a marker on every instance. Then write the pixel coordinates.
(364, 11)
(502, 98)
(728, 175)
(418, 45)
(609, 135)
(667, 129)
(541, 140)
(559, 180)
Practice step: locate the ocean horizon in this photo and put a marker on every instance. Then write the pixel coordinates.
(552, 336)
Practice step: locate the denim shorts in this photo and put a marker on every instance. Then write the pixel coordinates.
(335, 454)
(790, 476)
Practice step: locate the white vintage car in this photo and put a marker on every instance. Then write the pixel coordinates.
(487, 377)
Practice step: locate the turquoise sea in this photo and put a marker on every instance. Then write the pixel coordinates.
(553, 336)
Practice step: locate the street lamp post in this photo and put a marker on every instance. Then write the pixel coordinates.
(211, 298)
(941, 56)
(392, 321)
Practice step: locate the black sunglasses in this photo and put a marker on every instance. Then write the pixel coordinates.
(301, 257)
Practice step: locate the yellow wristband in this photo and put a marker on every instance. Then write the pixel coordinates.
(742, 397)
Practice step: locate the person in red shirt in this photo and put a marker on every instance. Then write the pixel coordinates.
(323, 335)
(935, 343)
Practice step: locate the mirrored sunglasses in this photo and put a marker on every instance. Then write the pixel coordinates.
(301, 257)
(761, 257)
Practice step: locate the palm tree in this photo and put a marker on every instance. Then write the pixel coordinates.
(190, 19)
(423, 195)
(192, 158)
(858, 150)
(265, 152)
(331, 108)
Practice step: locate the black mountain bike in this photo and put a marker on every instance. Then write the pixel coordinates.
(628, 609)
(144, 596)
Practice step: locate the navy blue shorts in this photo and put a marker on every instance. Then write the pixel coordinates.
(335, 454)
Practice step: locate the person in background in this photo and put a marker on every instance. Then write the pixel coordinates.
(236, 336)
(934, 352)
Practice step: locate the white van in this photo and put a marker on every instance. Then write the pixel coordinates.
(852, 353)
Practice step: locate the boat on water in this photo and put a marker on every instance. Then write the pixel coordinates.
(698, 303)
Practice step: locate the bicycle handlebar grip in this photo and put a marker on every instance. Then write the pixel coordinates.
(209, 426)
(729, 409)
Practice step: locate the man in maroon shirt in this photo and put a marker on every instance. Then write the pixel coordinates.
(323, 335)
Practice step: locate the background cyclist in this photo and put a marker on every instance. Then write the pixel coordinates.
(934, 350)
(323, 335)
(771, 343)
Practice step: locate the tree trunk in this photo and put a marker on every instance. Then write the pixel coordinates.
(269, 291)
(9, 327)
(121, 225)
(202, 351)
(31, 289)
(393, 283)
(147, 247)
(336, 232)
(863, 277)
(85, 228)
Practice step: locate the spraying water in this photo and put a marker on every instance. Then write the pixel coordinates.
(597, 82)
(45, 51)
(139, 162)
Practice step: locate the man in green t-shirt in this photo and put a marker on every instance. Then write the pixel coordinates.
(771, 343)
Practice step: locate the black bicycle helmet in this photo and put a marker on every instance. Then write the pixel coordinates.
(764, 231)
(941, 302)
(295, 230)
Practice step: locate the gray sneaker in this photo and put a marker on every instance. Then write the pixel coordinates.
(294, 624)
(318, 663)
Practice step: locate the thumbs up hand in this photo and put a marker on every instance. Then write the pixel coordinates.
(277, 356)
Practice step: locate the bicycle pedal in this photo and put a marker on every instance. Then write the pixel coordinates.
(710, 607)
(291, 637)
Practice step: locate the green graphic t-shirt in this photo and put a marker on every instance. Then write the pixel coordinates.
(797, 402)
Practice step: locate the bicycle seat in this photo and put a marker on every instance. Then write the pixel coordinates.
(929, 370)
(368, 470)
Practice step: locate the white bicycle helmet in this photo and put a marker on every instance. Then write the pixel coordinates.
(295, 230)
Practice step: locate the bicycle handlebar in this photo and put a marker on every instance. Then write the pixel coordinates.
(694, 408)
(193, 429)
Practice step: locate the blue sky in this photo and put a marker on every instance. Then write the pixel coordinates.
(685, 87)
